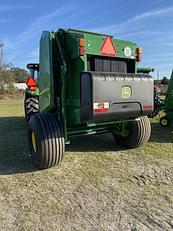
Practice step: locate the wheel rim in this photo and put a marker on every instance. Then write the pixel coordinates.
(164, 122)
(34, 142)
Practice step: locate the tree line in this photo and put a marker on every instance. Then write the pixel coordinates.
(9, 74)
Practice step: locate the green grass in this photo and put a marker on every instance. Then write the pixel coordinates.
(11, 108)
(98, 186)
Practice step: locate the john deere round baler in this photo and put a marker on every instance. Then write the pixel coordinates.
(88, 84)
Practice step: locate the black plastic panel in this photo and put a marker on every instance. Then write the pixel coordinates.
(108, 87)
(109, 64)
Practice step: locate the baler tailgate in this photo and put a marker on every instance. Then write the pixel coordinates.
(128, 95)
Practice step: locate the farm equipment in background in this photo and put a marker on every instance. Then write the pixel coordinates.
(145, 70)
(158, 103)
(88, 84)
(31, 102)
(167, 119)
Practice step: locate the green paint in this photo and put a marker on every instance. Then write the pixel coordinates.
(94, 43)
(46, 87)
(33, 93)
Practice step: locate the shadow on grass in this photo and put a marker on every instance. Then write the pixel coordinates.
(161, 135)
(14, 155)
(105, 142)
(93, 143)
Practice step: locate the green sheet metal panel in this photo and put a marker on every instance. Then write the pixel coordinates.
(46, 99)
(169, 97)
(71, 45)
(76, 64)
(94, 43)
(73, 89)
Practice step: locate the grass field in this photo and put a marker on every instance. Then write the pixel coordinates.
(98, 186)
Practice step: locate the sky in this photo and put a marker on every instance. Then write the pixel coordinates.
(148, 23)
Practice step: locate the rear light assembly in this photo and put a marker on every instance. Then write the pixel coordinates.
(82, 51)
(101, 107)
(148, 107)
(82, 42)
(82, 47)
(138, 54)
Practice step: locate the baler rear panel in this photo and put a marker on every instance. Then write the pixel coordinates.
(93, 60)
(111, 96)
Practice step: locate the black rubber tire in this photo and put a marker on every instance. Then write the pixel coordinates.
(31, 106)
(49, 138)
(139, 133)
(164, 122)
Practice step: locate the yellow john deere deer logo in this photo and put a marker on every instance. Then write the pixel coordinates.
(126, 92)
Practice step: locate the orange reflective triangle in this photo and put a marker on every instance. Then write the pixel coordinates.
(30, 82)
(108, 47)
